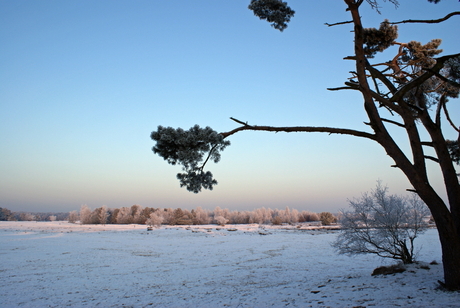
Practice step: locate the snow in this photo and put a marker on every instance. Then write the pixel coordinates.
(58, 264)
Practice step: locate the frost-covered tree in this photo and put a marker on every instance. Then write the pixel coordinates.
(28, 217)
(155, 219)
(180, 217)
(103, 215)
(201, 216)
(294, 216)
(220, 220)
(145, 214)
(136, 214)
(124, 216)
(85, 214)
(168, 216)
(218, 212)
(409, 92)
(238, 217)
(382, 224)
(113, 219)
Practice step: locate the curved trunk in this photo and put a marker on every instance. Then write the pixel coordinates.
(450, 241)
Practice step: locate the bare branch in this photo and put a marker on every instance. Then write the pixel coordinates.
(394, 122)
(432, 158)
(338, 23)
(240, 122)
(430, 21)
(307, 129)
(448, 117)
(428, 144)
(342, 88)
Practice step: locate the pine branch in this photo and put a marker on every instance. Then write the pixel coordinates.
(431, 21)
(422, 78)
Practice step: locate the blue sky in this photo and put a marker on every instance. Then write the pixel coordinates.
(83, 84)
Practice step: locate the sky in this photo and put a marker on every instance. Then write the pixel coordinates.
(84, 83)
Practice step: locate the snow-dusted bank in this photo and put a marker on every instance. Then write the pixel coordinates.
(56, 264)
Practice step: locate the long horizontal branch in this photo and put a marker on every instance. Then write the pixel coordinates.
(430, 21)
(296, 129)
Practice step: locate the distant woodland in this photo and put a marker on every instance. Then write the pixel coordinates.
(137, 214)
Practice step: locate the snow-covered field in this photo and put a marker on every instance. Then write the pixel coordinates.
(58, 264)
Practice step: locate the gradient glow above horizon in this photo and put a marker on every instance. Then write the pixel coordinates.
(83, 84)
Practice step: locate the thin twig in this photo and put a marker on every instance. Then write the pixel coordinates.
(448, 117)
(241, 122)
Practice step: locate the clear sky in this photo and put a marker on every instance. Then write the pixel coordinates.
(83, 83)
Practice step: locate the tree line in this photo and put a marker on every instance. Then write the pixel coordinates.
(137, 214)
(8, 215)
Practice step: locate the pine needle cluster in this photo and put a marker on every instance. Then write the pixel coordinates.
(277, 12)
(188, 148)
(377, 40)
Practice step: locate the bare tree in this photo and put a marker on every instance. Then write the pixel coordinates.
(413, 87)
(382, 224)
(73, 216)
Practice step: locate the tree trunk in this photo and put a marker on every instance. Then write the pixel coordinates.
(450, 244)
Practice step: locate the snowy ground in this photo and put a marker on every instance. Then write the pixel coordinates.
(57, 264)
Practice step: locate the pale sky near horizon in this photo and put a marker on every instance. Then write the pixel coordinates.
(83, 84)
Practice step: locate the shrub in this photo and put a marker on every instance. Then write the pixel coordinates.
(327, 218)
